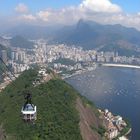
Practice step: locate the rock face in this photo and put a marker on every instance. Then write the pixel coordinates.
(87, 119)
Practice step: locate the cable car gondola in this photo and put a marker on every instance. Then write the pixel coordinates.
(29, 111)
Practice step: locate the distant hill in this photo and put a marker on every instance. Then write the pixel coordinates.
(88, 34)
(2, 47)
(33, 31)
(4, 42)
(92, 35)
(59, 108)
(21, 42)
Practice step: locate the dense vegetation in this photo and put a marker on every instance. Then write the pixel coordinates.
(100, 130)
(57, 117)
(2, 67)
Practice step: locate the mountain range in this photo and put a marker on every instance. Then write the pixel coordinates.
(92, 35)
(21, 42)
(87, 34)
(16, 41)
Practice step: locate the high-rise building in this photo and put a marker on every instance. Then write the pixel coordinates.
(13, 55)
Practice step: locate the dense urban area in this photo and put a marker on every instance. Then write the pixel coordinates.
(69, 70)
(67, 61)
(60, 57)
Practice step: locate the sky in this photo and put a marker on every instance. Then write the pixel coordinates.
(46, 12)
(130, 6)
(7, 6)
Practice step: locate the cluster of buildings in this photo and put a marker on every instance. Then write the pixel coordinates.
(21, 59)
(76, 54)
(43, 76)
(113, 57)
(113, 124)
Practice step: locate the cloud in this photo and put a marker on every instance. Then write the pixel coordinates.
(84, 10)
(139, 14)
(21, 8)
(88, 9)
(28, 17)
(132, 20)
(100, 6)
(44, 15)
(62, 16)
(102, 11)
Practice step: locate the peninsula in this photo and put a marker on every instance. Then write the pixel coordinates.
(62, 113)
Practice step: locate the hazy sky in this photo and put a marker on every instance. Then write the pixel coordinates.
(126, 12)
(7, 6)
(130, 6)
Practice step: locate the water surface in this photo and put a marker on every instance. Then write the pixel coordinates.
(117, 89)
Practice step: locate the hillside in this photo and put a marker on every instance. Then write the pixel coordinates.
(88, 34)
(92, 35)
(21, 42)
(32, 31)
(2, 67)
(16, 41)
(4, 42)
(2, 47)
(59, 111)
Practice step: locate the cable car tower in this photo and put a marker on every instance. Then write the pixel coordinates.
(29, 111)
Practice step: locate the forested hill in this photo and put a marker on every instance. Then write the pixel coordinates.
(21, 42)
(58, 117)
(2, 47)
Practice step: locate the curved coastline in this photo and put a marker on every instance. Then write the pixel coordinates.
(124, 136)
(120, 65)
(105, 65)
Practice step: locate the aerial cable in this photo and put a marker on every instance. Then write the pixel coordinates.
(3, 71)
(29, 111)
(8, 68)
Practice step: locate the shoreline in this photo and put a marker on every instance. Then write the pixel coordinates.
(120, 65)
(124, 136)
(88, 70)
(129, 131)
(116, 126)
(97, 65)
(76, 73)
